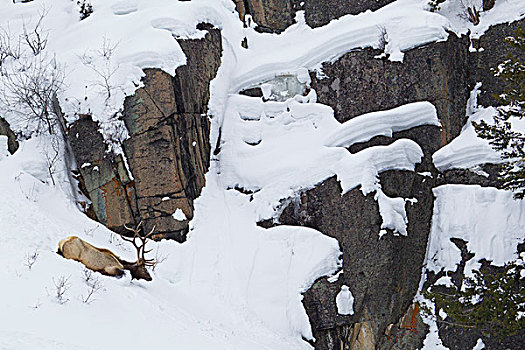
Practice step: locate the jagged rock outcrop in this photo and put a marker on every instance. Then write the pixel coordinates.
(382, 273)
(169, 132)
(103, 175)
(358, 83)
(491, 51)
(168, 151)
(5, 130)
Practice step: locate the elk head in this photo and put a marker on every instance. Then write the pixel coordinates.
(139, 269)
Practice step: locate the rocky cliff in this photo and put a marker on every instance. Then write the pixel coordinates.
(384, 274)
(167, 152)
(169, 137)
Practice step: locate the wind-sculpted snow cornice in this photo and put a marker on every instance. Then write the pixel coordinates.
(277, 149)
(384, 123)
(397, 27)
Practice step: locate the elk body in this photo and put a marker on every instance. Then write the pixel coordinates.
(105, 261)
(96, 259)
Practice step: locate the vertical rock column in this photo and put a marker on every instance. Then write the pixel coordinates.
(169, 149)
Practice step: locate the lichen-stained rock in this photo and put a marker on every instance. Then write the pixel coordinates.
(5, 130)
(491, 51)
(321, 12)
(112, 197)
(169, 149)
(358, 83)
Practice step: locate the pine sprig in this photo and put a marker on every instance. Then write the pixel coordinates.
(508, 142)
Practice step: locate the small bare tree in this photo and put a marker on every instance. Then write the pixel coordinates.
(101, 62)
(35, 38)
(9, 48)
(94, 286)
(31, 258)
(62, 285)
(159, 259)
(28, 90)
(29, 77)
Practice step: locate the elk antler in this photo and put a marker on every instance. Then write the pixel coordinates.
(141, 249)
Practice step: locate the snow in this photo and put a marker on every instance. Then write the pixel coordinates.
(468, 150)
(310, 146)
(392, 211)
(490, 220)
(405, 22)
(444, 281)
(3, 147)
(179, 215)
(233, 284)
(345, 301)
(432, 340)
(479, 345)
(503, 12)
(384, 123)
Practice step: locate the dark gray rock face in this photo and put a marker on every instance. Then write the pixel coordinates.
(494, 51)
(488, 4)
(382, 273)
(276, 15)
(321, 12)
(168, 151)
(487, 176)
(5, 130)
(358, 83)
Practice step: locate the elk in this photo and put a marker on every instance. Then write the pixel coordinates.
(138, 269)
(105, 261)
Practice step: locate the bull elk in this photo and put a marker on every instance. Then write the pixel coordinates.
(105, 261)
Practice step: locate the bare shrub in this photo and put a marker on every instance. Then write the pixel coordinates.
(159, 259)
(30, 258)
(383, 37)
(35, 37)
(100, 61)
(93, 286)
(62, 285)
(29, 78)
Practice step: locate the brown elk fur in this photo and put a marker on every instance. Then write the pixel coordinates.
(100, 259)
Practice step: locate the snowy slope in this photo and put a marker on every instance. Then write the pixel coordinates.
(232, 285)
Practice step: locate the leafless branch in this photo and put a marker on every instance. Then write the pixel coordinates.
(62, 285)
(31, 258)
(100, 61)
(94, 286)
(36, 38)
